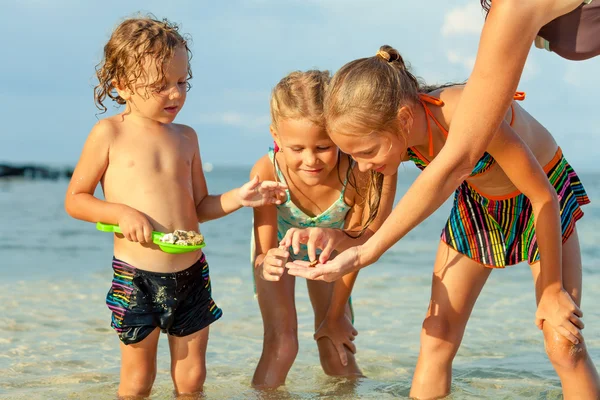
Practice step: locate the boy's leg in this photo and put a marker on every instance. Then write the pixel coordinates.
(188, 362)
(138, 367)
(572, 363)
(320, 297)
(280, 341)
(457, 282)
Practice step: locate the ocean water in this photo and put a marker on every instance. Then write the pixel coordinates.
(56, 341)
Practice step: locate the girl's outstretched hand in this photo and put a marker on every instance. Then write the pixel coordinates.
(558, 309)
(341, 332)
(255, 193)
(325, 239)
(345, 262)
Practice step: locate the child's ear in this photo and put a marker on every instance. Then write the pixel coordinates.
(274, 135)
(405, 119)
(123, 92)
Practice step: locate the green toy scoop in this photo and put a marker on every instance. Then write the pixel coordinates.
(156, 236)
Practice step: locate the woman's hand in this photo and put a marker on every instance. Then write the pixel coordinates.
(341, 332)
(325, 239)
(558, 309)
(135, 226)
(256, 194)
(272, 266)
(345, 262)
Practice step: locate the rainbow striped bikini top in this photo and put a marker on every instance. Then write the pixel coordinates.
(484, 163)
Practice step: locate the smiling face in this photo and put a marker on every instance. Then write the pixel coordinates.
(308, 151)
(380, 152)
(157, 99)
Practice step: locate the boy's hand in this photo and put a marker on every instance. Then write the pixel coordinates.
(256, 193)
(135, 226)
(273, 264)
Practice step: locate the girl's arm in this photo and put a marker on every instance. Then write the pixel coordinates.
(335, 323)
(507, 35)
(556, 306)
(356, 218)
(252, 194)
(80, 202)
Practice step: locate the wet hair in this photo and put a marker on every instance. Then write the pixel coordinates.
(132, 44)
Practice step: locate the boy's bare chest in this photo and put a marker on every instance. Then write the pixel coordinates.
(170, 156)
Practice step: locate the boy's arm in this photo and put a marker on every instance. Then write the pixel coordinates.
(209, 207)
(80, 202)
(252, 194)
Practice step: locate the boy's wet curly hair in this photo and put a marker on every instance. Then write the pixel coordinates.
(131, 45)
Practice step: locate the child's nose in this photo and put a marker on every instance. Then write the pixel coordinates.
(364, 167)
(175, 93)
(309, 158)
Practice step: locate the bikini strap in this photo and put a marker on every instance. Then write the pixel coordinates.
(519, 96)
(424, 99)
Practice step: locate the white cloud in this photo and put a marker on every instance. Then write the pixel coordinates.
(454, 57)
(467, 19)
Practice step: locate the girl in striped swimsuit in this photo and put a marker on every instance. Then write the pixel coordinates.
(520, 203)
(323, 191)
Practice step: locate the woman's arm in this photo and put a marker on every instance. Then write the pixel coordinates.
(507, 35)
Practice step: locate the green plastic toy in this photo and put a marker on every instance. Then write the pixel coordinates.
(166, 247)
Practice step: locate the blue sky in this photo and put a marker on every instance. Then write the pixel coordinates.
(241, 50)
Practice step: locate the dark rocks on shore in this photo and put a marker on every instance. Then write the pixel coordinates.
(32, 171)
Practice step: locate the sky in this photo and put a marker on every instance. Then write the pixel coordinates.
(241, 49)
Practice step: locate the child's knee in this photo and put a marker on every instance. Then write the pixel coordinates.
(561, 352)
(190, 381)
(282, 344)
(137, 383)
(440, 336)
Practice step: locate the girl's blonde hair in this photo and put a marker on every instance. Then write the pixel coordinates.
(364, 97)
(132, 44)
(300, 95)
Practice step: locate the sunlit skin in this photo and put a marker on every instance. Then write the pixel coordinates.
(314, 171)
(519, 150)
(151, 175)
(309, 154)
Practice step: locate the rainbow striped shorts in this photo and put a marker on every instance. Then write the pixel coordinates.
(497, 231)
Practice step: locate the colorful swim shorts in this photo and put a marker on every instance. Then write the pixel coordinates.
(497, 231)
(178, 303)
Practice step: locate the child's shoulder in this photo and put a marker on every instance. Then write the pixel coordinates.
(264, 169)
(106, 129)
(450, 96)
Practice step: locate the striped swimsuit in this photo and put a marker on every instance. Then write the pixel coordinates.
(497, 231)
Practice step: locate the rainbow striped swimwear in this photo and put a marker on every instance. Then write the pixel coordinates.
(178, 303)
(499, 231)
